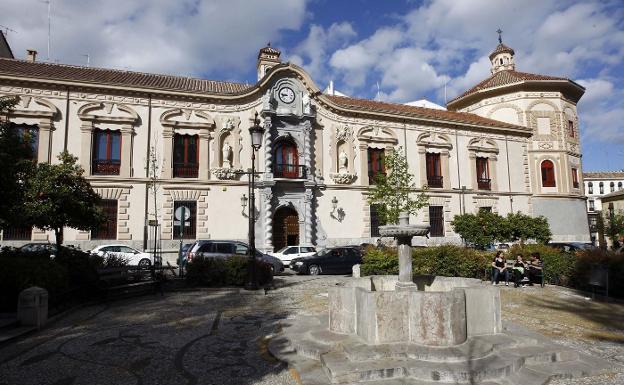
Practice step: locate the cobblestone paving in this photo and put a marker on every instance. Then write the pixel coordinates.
(220, 336)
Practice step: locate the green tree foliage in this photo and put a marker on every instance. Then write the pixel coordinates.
(15, 165)
(393, 192)
(58, 196)
(614, 226)
(484, 228)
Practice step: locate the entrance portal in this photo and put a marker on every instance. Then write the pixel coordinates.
(285, 227)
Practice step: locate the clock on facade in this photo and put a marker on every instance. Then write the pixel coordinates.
(286, 95)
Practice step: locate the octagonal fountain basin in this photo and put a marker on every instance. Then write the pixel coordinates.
(438, 311)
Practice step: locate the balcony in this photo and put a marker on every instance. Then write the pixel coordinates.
(435, 181)
(185, 170)
(105, 167)
(484, 183)
(289, 171)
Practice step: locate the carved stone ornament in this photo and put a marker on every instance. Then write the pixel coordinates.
(343, 178)
(343, 133)
(226, 173)
(228, 125)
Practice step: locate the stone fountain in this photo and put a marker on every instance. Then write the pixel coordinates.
(391, 330)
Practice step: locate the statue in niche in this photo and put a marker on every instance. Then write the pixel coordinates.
(343, 162)
(306, 103)
(227, 155)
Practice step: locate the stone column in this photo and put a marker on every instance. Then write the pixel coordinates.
(307, 128)
(167, 155)
(404, 240)
(364, 164)
(267, 197)
(204, 165)
(268, 148)
(309, 198)
(45, 131)
(86, 131)
(126, 151)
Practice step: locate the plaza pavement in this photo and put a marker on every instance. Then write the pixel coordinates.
(219, 336)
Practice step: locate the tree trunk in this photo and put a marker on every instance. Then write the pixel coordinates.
(58, 233)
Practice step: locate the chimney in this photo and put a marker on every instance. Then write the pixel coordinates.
(31, 55)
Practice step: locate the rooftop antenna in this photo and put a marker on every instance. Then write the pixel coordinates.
(49, 2)
(7, 29)
(88, 59)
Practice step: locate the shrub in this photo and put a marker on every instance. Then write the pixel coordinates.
(446, 260)
(231, 271)
(587, 259)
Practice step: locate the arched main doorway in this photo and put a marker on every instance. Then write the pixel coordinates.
(285, 227)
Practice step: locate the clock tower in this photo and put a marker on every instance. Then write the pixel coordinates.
(268, 57)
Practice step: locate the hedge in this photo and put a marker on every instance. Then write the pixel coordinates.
(230, 271)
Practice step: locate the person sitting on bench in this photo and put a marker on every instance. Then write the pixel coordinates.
(519, 271)
(498, 268)
(536, 266)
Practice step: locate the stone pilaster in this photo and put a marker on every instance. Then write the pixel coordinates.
(268, 148)
(307, 128)
(167, 165)
(309, 198)
(45, 132)
(86, 132)
(204, 164)
(363, 164)
(127, 133)
(267, 198)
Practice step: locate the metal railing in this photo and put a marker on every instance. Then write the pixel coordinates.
(185, 170)
(484, 183)
(105, 167)
(434, 181)
(289, 171)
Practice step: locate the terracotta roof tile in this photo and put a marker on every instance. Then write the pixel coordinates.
(503, 78)
(500, 49)
(419, 112)
(604, 175)
(63, 72)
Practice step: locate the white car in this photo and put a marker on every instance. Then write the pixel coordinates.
(134, 257)
(289, 253)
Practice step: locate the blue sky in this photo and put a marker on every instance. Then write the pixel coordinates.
(410, 48)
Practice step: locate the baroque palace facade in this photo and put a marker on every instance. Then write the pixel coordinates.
(509, 144)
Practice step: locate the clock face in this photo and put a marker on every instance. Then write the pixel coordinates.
(286, 95)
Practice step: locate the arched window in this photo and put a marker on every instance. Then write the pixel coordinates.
(601, 185)
(287, 161)
(548, 174)
(590, 188)
(619, 185)
(612, 186)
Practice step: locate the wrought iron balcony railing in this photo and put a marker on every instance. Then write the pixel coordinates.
(185, 170)
(105, 167)
(289, 171)
(435, 181)
(484, 183)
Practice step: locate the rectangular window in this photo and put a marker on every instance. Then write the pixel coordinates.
(375, 221)
(106, 152)
(483, 174)
(108, 228)
(571, 129)
(17, 233)
(29, 133)
(190, 219)
(185, 156)
(485, 209)
(434, 170)
(592, 206)
(436, 221)
(575, 182)
(376, 164)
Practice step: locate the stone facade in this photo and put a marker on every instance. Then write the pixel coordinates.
(315, 152)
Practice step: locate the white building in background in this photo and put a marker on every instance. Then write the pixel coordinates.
(598, 185)
(509, 144)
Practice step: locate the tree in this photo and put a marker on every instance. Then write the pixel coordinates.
(614, 226)
(522, 227)
(481, 229)
(58, 196)
(15, 165)
(392, 193)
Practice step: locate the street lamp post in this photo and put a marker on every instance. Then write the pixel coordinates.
(256, 132)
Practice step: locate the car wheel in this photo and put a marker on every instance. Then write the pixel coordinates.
(314, 270)
(144, 263)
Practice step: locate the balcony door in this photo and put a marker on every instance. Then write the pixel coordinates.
(286, 160)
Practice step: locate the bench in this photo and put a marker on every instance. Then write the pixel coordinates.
(509, 266)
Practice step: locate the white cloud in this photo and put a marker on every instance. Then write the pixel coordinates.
(601, 111)
(187, 37)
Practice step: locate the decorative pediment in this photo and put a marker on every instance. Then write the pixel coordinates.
(108, 112)
(186, 118)
(434, 140)
(483, 145)
(34, 107)
(377, 134)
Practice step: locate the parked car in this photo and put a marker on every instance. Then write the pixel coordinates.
(224, 248)
(336, 260)
(133, 257)
(571, 247)
(38, 248)
(289, 253)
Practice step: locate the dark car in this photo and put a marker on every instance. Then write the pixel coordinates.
(336, 260)
(571, 247)
(224, 248)
(38, 248)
